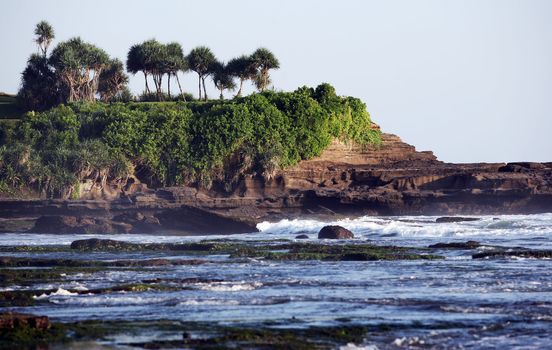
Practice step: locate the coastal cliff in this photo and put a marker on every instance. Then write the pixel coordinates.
(389, 179)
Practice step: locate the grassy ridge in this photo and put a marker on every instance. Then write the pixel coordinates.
(8, 107)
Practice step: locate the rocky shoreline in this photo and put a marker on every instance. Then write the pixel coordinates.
(392, 179)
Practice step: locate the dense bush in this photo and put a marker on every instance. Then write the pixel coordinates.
(172, 143)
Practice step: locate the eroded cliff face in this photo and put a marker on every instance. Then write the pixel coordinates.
(392, 179)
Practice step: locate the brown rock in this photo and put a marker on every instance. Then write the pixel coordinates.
(11, 320)
(335, 232)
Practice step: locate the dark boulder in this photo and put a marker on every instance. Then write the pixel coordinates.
(335, 232)
(446, 219)
(302, 237)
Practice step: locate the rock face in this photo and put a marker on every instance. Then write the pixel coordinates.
(335, 232)
(391, 179)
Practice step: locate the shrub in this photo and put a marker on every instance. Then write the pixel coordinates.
(174, 143)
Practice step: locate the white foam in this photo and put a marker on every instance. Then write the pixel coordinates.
(59, 292)
(353, 346)
(228, 286)
(420, 226)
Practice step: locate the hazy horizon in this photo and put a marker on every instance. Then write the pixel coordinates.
(470, 80)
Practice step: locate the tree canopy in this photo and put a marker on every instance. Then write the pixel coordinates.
(44, 36)
(202, 61)
(264, 60)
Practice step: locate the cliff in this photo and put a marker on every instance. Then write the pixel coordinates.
(391, 179)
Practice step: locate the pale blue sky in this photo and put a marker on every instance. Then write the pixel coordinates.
(469, 79)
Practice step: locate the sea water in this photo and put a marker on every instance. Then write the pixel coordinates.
(457, 302)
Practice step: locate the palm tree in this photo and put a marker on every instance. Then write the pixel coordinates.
(136, 62)
(201, 60)
(79, 66)
(264, 60)
(222, 78)
(155, 63)
(112, 80)
(175, 62)
(241, 67)
(44, 36)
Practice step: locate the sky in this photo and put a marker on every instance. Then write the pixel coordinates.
(470, 80)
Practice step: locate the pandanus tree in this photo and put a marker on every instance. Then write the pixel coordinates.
(202, 61)
(264, 60)
(242, 68)
(44, 36)
(136, 62)
(78, 65)
(154, 53)
(174, 62)
(39, 85)
(112, 80)
(222, 78)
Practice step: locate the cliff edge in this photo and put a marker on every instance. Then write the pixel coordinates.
(390, 179)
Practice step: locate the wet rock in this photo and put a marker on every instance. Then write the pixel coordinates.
(302, 237)
(78, 225)
(101, 244)
(335, 232)
(446, 219)
(538, 254)
(15, 321)
(140, 222)
(456, 245)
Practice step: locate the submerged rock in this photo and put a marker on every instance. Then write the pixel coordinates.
(100, 244)
(302, 237)
(457, 245)
(446, 219)
(335, 232)
(539, 254)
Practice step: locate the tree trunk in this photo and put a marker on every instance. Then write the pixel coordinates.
(240, 90)
(169, 86)
(146, 79)
(179, 87)
(221, 95)
(204, 90)
(199, 87)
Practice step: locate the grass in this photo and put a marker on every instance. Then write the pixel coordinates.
(8, 107)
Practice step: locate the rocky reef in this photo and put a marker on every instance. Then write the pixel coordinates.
(390, 179)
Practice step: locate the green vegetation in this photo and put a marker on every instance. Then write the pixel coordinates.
(197, 143)
(164, 144)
